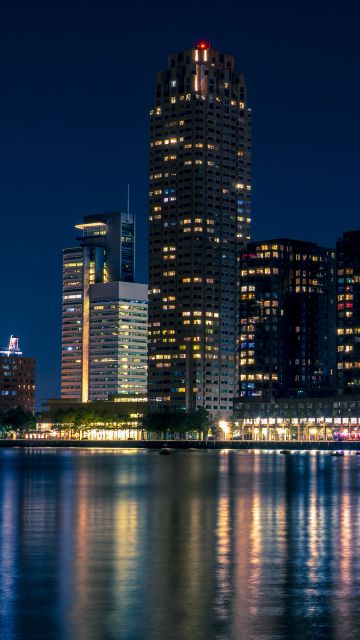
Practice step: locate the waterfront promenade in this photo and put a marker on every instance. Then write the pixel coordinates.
(349, 445)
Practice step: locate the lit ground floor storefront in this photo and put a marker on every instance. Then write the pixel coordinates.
(51, 431)
(308, 430)
(302, 419)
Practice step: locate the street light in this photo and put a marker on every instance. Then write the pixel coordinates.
(224, 426)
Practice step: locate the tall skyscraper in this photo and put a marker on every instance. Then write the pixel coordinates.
(348, 312)
(17, 378)
(200, 162)
(287, 319)
(104, 320)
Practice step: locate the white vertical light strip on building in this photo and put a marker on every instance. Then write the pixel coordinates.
(86, 329)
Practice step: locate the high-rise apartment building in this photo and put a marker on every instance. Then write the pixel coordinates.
(348, 312)
(287, 319)
(200, 162)
(17, 378)
(104, 318)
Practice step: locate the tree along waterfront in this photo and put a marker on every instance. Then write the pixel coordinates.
(89, 423)
(17, 421)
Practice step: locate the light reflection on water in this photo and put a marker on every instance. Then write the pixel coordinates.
(109, 545)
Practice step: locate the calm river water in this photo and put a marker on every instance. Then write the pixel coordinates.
(128, 545)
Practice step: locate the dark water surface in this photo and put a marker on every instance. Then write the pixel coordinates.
(127, 545)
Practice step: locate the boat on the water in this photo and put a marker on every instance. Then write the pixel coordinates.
(285, 452)
(165, 451)
(337, 454)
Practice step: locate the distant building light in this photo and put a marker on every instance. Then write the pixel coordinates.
(202, 44)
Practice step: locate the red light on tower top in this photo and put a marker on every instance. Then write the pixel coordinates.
(202, 44)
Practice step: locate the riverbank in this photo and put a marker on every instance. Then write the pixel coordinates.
(181, 444)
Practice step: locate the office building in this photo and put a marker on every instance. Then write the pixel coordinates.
(118, 340)
(200, 161)
(104, 319)
(287, 319)
(17, 378)
(348, 312)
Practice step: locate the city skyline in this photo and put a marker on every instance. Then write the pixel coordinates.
(61, 147)
(180, 326)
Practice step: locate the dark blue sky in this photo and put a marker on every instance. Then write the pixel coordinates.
(76, 86)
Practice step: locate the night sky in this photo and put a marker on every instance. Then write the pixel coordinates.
(76, 87)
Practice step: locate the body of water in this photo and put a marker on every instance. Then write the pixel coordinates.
(199, 545)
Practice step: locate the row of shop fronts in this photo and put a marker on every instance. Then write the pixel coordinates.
(287, 419)
(275, 429)
(308, 419)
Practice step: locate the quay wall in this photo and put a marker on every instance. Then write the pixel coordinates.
(182, 444)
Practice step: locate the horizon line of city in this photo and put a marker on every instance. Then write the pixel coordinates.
(225, 322)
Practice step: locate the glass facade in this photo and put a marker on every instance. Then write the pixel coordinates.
(348, 312)
(287, 319)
